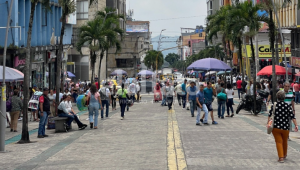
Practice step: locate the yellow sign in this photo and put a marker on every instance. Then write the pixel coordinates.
(70, 63)
(264, 51)
(4, 93)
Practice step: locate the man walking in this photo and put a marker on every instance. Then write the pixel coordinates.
(44, 111)
(132, 92)
(191, 96)
(239, 87)
(221, 102)
(183, 95)
(297, 94)
(105, 98)
(201, 106)
(163, 89)
(209, 92)
(178, 93)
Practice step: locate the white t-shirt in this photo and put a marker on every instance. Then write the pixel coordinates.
(233, 79)
(60, 96)
(229, 93)
(132, 88)
(178, 89)
(107, 92)
(68, 105)
(169, 91)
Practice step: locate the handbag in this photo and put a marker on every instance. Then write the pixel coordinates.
(222, 96)
(271, 121)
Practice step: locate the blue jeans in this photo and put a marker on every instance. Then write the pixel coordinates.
(94, 111)
(204, 108)
(239, 92)
(297, 97)
(192, 106)
(42, 124)
(122, 103)
(105, 103)
(163, 100)
(221, 103)
(70, 118)
(183, 100)
(77, 120)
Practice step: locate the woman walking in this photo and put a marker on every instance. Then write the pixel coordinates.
(123, 95)
(113, 97)
(283, 113)
(16, 107)
(229, 91)
(95, 101)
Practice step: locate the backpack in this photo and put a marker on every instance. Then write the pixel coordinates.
(102, 92)
(8, 105)
(221, 95)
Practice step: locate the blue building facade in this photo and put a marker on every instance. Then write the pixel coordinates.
(46, 25)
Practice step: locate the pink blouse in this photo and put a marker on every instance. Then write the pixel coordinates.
(96, 95)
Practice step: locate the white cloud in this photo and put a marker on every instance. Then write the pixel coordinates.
(148, 10)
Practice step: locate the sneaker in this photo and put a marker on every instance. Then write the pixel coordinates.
(122, 118)
(87, 119)
(222, 117)
(20, 119)
(83, 127)
(198, 124)
(40, 136)
(214, 123)
(45, 136)
(201, 120)
(193, 115)
(91, 125)
(66, 127)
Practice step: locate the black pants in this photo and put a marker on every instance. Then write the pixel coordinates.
(122, 102)
(138, 96)
(77, 120)
(229, 105)
(179, 97)
(113, 102)
(170, 101)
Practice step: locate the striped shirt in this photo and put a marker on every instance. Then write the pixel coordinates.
(289, 97)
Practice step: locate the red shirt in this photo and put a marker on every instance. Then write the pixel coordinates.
(97, 85)
(239, 84)
(296, 87)
(41, 99)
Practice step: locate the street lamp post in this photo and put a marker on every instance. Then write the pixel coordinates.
(3, 94)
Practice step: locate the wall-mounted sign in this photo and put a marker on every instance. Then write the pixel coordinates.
(137, 28)
(295, 61)
(18, 62)
(264, 51)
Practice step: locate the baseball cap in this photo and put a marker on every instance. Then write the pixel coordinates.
(34, 85)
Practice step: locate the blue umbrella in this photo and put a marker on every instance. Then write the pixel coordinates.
(70, 74)
(118, 72)
(209, 64)
(145, 72)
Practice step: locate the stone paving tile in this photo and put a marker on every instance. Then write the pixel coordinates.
(232, 144)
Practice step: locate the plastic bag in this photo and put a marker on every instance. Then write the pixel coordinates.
(187, 106)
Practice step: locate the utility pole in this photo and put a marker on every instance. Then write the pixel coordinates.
(3, 101)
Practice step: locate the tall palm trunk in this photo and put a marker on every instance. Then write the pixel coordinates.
(241, 58)
(60, 52)
(272, 40)
(254, 77)
(100, 62)
(93, 57)
(25, 133)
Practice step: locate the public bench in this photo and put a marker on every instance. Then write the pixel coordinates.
(59, 124)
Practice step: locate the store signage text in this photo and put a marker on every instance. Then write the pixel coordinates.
(18, 62)
(264, 51)
(295, 61)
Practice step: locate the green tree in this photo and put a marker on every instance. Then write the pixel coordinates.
(152, 58)
(172, 58)
(68, 7)
(25, 133)
(114, 32)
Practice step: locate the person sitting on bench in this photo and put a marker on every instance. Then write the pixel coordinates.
(68, 103)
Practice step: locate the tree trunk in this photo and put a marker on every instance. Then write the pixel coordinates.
(25, 133)
(254, 77)
(241, 58)
(272, 40)
(99, 71)
(60, 52)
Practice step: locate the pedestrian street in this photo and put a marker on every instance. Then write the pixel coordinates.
(153, 137)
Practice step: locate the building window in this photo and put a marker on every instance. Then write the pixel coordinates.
(124, 63)
(82, 9)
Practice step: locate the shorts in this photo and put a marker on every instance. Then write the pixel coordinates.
(209, 106)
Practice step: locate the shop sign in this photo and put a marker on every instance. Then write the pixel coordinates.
(38, 58)
(295, 61)
(264, 51)
(18, 62)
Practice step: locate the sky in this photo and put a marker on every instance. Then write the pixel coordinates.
(161, 12)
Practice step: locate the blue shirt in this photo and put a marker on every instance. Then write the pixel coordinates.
(192, 93)
(183, 87)
(200, 96)
(208, 93)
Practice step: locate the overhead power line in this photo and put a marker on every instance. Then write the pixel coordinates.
(177, 18)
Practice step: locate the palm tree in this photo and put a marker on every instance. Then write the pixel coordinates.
(153, 57)
(112, 23)
(25, 133)
(92, 35)
(68, 7)
(246, 14)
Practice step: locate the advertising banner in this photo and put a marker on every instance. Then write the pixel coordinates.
(264, 51)
(137, 28)
(295, 61)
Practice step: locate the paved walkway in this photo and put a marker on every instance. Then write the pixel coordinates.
(151, 137)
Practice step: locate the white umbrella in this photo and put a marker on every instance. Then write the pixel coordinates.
(210, 73)
(11, 74)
